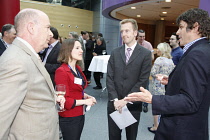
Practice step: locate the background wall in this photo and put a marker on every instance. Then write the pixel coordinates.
(108, 27)
(64, 15)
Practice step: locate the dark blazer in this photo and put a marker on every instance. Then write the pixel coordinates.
(184, 109)
(98, 49)
(73, 91)
(123, 79)
(89, 50)
(2, 47)
(51, 63)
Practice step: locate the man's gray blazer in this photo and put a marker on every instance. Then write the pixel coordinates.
(27, 107)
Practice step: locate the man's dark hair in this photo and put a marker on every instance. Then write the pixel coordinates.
(141, 31)
(199, 16)
(83, 32)
(6, 27)
(100, 34)
(177, 37)
(55, 32)
(101, 39)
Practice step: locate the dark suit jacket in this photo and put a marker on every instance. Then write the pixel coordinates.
(2, 47)
(185, 107)
(123, 79)
(98, 49)
(89, 50)
(51, 63)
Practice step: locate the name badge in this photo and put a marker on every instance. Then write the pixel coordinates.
(78, 81)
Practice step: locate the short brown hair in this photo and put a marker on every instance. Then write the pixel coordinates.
(132, 21)
(65, 51)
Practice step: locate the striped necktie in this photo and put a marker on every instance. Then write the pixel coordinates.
(128, 54)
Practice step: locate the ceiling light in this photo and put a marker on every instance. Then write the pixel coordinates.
(164, 12)
(167, 0)
(161, 18)
(138, 15)
(133, 7)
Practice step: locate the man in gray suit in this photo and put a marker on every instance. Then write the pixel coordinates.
(128, 67)
(27, 107)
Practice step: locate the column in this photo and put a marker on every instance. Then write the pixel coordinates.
(8, 10)
(159, 32)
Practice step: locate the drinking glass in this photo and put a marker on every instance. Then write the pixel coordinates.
(60, 91)
(103, 52)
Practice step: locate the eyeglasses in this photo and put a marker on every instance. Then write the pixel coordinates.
(172, 39)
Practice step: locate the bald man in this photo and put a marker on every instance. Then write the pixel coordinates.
(27, 107)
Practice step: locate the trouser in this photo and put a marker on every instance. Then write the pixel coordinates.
(115, 132)
(87, 72)
(147, 87)
(71, 127)
(97, 78)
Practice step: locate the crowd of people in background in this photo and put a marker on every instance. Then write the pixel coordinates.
(34, 59)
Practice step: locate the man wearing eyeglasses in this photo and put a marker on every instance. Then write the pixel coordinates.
(177, 51)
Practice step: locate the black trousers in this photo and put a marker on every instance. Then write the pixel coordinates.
(97, 78)
(115, 132)
(71, 127)
(87, 72)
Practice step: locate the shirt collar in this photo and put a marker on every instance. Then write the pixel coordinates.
(5, 43)
(54, 43)
(132, 47)
(187, 46)
(29, 46)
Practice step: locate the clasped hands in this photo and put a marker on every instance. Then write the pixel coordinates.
(90, 100)
(145, 95)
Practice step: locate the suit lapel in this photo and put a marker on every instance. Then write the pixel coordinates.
(122, 53)
(51, 52)
(134, 54)
(37, 62)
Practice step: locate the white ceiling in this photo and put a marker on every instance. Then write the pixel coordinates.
(151, 10)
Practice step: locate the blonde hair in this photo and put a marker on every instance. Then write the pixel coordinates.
(165, 50)
(132, 21)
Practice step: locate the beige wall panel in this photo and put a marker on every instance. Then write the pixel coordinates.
(64, 15)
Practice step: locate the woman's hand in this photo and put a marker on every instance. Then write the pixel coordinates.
(94, 54)
(90, 101)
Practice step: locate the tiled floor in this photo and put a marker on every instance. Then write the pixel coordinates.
(96, 127)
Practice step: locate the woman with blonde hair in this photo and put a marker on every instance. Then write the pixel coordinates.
(162, 65)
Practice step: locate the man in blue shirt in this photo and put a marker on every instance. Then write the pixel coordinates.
(177, 51)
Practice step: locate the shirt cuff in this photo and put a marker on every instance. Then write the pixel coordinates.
(114, 99)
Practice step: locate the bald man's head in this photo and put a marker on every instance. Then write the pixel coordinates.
(33, 26)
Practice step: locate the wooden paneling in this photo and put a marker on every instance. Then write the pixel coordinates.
(63, 15)
(149, 32)
(169, 31)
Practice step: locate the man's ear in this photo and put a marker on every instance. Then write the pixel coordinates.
(135, 33)
(196, 27)
(30, 27)
(6, 33)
